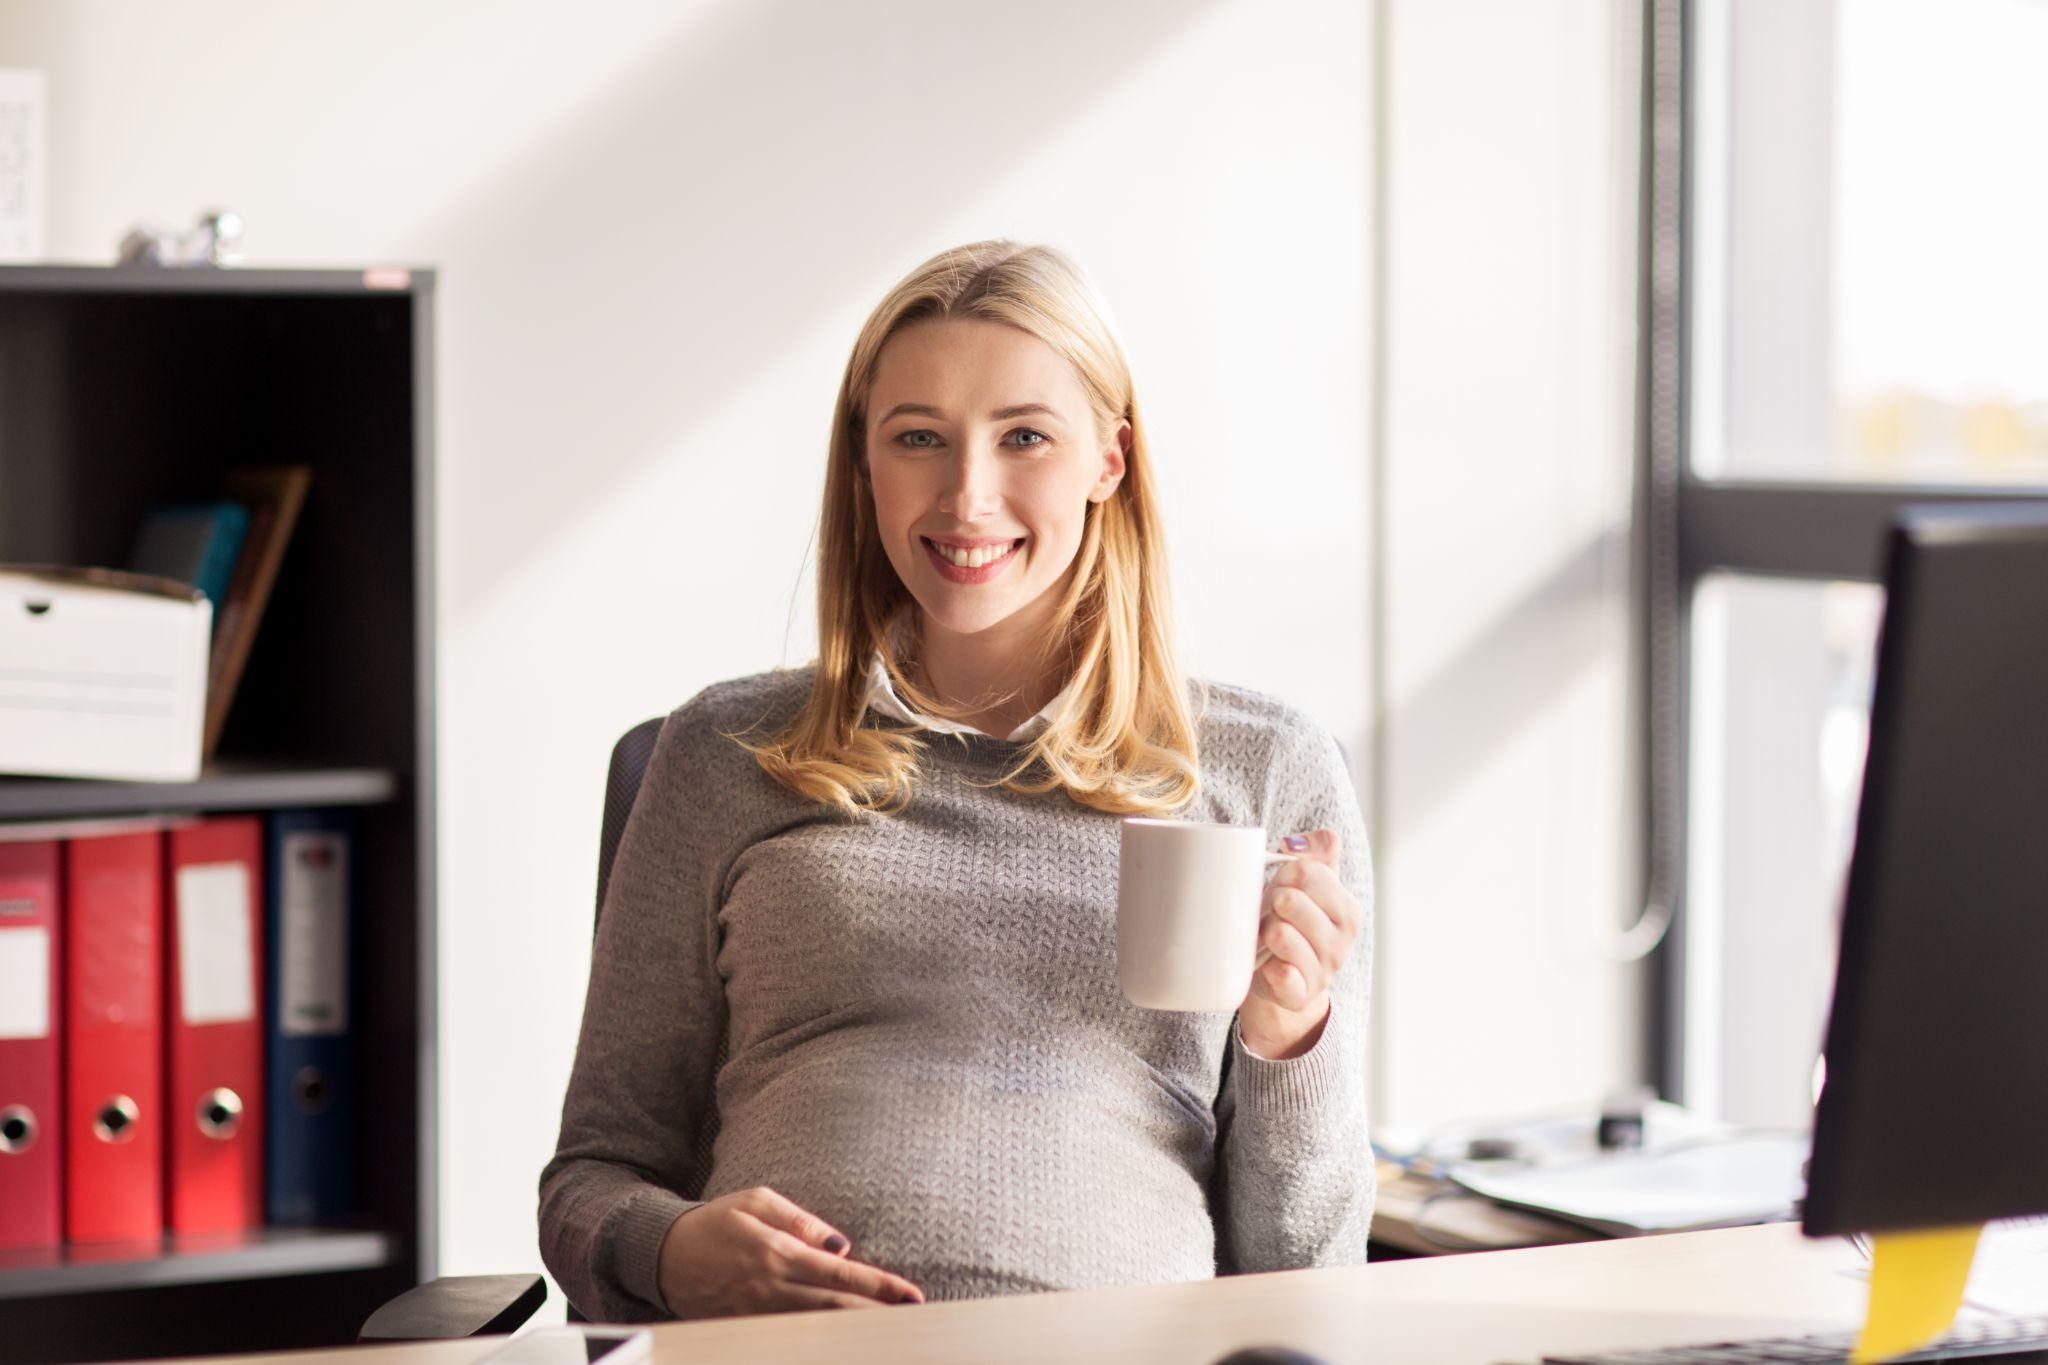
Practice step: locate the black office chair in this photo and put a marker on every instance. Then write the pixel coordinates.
(483, 1305)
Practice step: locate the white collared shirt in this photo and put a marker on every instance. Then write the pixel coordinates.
(883, 698)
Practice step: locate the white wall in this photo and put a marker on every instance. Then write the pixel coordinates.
(1509, 193)
(658, 228)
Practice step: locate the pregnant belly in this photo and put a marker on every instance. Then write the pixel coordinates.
(971, 1188)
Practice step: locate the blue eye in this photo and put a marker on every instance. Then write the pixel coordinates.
(1039, 438)
(910, 438)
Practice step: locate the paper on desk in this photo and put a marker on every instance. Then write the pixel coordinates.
(1568, 1135)
(2010, 1273)
(1721, 1182)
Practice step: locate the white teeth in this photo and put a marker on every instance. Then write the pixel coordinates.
(972, 559)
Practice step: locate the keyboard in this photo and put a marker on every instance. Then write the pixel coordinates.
(2015, 1339)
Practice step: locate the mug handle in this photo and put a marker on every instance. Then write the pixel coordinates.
(1265, 953)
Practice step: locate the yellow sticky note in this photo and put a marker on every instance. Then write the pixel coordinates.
(1916, 1285)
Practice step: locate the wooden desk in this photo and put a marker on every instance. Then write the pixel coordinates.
(1487, 1307)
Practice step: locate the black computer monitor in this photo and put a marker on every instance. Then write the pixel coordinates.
(1934, 1109)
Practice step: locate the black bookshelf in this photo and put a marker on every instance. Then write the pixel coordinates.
(125, 386)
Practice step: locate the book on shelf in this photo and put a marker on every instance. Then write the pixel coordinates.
(193, 542)
(273, 494)
(230, 548)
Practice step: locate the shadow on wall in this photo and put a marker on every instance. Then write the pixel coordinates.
(1506, 676)
(641, 261)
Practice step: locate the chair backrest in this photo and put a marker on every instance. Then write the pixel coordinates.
(621, 789)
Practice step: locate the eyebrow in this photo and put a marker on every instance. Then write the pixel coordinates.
(999, 415)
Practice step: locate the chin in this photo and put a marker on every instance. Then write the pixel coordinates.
(969, 622)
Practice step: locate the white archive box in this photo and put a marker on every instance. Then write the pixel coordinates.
(102, 673)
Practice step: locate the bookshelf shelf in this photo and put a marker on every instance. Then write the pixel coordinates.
(78, 1269)
(123, 388)
(233, 784)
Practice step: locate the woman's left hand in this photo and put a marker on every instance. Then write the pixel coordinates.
(1309, 922)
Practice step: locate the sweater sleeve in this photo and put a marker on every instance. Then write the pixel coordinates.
(1294, 1166)
(640, 1091)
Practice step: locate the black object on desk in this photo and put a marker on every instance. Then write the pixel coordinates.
(456, 1306)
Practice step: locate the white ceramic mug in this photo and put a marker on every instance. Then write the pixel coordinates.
(1187, 912)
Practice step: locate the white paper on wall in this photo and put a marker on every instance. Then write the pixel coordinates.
(22, 109)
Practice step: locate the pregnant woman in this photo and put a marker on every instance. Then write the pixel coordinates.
(853, 1033)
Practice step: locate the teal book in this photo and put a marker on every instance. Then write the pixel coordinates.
(193, 542)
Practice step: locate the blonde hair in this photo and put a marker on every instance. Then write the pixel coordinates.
(1123, 740)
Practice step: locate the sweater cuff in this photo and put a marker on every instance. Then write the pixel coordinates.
(642, 1224)
(1289, 1086)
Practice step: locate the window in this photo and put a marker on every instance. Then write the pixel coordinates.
(1854, 209)
(1868, 281)
(1780, 715)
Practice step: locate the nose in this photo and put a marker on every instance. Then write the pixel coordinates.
(973, 480)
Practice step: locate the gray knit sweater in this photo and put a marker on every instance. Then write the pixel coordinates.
(911, 1025)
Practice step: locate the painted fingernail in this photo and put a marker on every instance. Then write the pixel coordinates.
(836, 1244)
(1297, 843)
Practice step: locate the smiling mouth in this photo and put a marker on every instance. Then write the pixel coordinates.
(976, 570)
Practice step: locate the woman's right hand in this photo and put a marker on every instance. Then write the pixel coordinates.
(756, 1252)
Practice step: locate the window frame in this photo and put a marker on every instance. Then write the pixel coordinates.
(1688, 526)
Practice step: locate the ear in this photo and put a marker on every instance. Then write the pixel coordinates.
(1113, 463)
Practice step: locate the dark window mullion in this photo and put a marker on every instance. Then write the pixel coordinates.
(1800, 530)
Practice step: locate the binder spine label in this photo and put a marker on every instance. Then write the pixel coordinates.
(313, 950)
(215, 959)
(25, 982)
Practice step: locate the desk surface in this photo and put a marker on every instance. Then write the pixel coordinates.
(1493, 1306)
